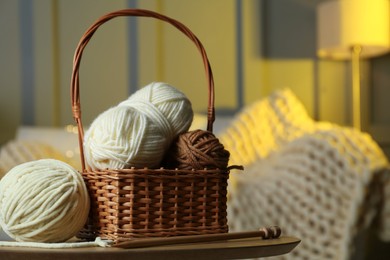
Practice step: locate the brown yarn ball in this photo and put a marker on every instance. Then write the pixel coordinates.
(197, 150)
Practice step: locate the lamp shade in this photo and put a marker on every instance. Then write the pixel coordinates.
(343, 24)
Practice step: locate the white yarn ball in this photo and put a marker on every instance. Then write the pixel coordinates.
(139, 131)
(43, 201)
(172, 103)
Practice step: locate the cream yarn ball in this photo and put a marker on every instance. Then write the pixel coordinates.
(169, 101)
(139, 131)
(43, 201)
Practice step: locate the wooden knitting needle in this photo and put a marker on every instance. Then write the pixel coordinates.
(264, 233)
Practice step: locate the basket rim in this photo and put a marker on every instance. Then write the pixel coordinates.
(119, 174)
(162, 170)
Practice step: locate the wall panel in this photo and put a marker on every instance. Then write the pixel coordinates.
(47, 110)
(333, 102)
(10, 69)
(178, 61)
(103, 74)
(254, 84)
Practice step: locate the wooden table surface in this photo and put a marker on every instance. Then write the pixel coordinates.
(230, 249)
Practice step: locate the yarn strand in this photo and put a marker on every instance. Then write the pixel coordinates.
(97, 243)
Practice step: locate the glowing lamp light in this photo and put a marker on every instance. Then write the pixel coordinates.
(353, 29)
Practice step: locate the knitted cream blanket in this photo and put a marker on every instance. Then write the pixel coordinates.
(312, 179)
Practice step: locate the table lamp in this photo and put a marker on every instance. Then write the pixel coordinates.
(351, 30)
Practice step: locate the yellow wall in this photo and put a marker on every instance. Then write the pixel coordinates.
(233, 39)
(57, 27)
(176, 59)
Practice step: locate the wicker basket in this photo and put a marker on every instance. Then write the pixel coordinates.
(138, 203)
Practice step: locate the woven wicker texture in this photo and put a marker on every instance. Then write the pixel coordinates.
(136, 203)
(309, 178)
(133, 203)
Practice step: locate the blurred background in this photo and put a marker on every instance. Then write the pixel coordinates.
(254, 46)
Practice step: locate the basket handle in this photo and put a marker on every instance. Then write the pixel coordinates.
(75, 89)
